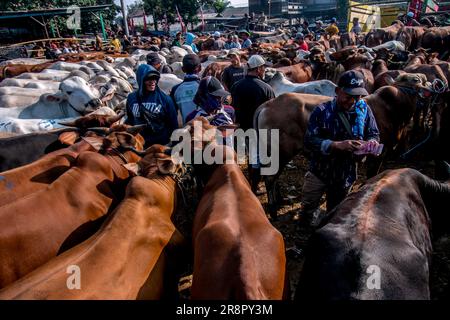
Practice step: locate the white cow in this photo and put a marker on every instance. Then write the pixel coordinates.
(28, 61)
(21, 97)
(24, 126)
(58, 75)
(115, 91)
(29, 83)
(76, 97)
(281, 85)
(167, 82)
(65, 66)
(177, 69)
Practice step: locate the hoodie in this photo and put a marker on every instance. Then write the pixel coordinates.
(155, 109)
(189, 39)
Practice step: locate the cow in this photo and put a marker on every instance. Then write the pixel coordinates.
(298, 73)
(238, 254)
(24, 126)
(273, 114)
(411, 37)
(13, 70)
(76, 97)
(137, 246)
(281, 85)
(438, 40)
(382, 74)
(55, 75)
(64, 211)
(215, 69)
(29, 83)
(167, 81)
(381, 35)
(376, 245)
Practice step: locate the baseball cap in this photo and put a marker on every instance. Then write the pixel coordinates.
(333, 19)
(212, 86)
(153, 73)
(299, 36)
(410, 14)
(153, 57)
(352, 82)
(244, 31)
(256, 61)
(216, 34)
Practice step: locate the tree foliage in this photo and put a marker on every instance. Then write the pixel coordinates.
(220, 6)
(89, 21)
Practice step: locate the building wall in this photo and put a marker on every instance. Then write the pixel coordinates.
(278, 8)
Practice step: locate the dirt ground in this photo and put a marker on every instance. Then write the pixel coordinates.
(296, 237)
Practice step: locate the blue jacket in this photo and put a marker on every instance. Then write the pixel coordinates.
(189, 39)
(156, 109)
(336, 169)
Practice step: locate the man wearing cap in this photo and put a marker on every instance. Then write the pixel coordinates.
(234, 72)
(154, 60)
(410, 21)
(337, 129)
(234, 44)
(302, 45)
(246, 42)
(178, 41)
(151, 106)
(219, 44)
(183, 93)
(247, 95)
(209, 101)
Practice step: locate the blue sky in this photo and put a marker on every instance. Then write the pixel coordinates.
(236, 3)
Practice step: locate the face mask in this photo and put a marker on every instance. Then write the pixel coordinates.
(211, 104)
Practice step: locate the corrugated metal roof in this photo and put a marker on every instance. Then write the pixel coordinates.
(48, 12)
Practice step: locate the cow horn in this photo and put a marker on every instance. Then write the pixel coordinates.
(389, 80)
(100, 130)
(68, 123)
(441, 170)
(136, 129)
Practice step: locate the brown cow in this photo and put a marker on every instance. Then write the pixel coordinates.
(238, 254)
(298, 73)
(411, 37)
(57, 217)
(376, 245)
(215, 69)
(129, 256)
(382, 35)
(382, 74)
(438, 40)
(12, 70)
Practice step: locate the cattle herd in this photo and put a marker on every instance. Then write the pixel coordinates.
(87, 213)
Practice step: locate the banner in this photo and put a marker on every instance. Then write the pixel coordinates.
(180, 20)
(203, 19)
(415, 7)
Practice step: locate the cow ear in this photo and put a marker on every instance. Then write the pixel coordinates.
(166, 166)
(95, 142)
(53, 98)
(69, 138)
(109, 95)
(133, 168)
(125, 139)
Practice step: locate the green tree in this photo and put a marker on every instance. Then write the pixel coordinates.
(220, 6)
(89, 21)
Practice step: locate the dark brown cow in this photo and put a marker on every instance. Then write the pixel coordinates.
(438, 40)
(59, 216)
(379, 36)
(382, 74)
(129, 256)
(376, 245)
(238, 254)
(411, 37)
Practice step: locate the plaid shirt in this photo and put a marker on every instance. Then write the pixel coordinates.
(336, 169)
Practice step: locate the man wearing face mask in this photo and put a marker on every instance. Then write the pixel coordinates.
(336, 130)
(209, 100)
(151, 106)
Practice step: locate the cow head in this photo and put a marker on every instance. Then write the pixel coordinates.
(79, 94)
